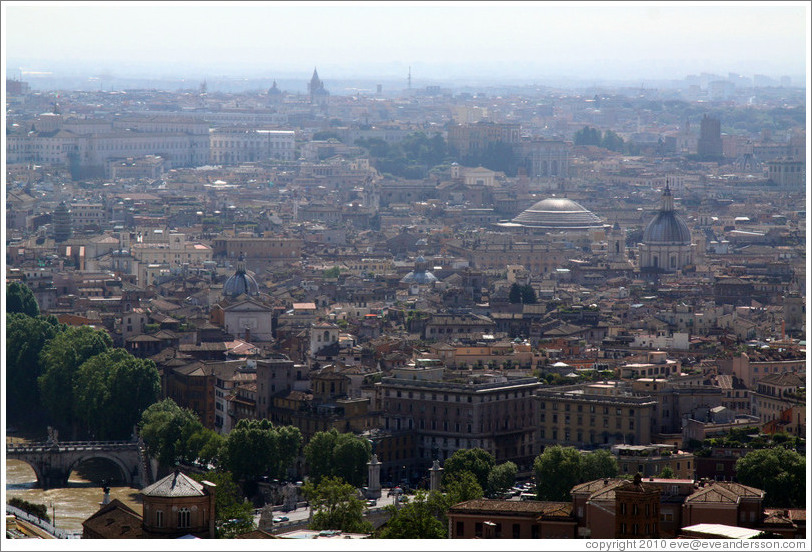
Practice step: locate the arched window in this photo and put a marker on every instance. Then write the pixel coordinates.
(184, 518)
(159, 518)
(326, 335)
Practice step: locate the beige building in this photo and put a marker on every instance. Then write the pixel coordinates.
(242, 145)
(587, 416)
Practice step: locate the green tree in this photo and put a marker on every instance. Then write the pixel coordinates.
(20, 298)
(612, 141)
(558, 469)
(25, 339)
(344, 455)
(587, 136)
(422, 518)
(666, 473)
(462, 486)
(476, 460)
(61, 357)
(233, 515)
(780, 472)
(111, 390)
(255, 448)
(501, 478)
(599, 464)
(336, 506)
(528, 295)
(39, 510)
(515, 294)
(167, 430)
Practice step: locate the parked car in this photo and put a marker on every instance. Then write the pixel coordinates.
(371, 503)
(280, 519)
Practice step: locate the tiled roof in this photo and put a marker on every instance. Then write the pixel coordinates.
(723, 492)
(175, 484)
(485, 505)
(115, 520)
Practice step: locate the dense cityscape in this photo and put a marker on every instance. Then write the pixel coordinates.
(505, 311)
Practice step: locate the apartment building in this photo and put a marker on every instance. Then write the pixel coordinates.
(493, 412)
(587, 416)
(777, 393)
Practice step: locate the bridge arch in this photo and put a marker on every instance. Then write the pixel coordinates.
(33, 465)
(122, 466)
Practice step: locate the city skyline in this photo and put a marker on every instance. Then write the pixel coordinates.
(516, 41)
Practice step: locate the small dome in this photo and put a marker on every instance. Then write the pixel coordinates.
(667, 227)
(419, 277)
(558, 213)
(240, 283)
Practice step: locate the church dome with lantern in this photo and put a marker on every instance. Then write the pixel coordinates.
(666, 245)
(240, 282)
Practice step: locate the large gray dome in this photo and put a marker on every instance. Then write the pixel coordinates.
(558, 213)
(667, 228)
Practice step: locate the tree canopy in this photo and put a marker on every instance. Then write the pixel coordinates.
(173, 434)
(336, 506)
(522, 294)
(255, 448)
(477, 461)
(558, 469)
(344, 455)
(422, 518)
(501, 478)
(112, 390)
(598, 464)
(25, 338)
(780, 472)
(20, 298)
(61, 358)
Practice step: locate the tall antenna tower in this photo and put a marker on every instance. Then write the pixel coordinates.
(409, 80)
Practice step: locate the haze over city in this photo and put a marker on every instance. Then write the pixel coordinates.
(477, 42)
(406, 270)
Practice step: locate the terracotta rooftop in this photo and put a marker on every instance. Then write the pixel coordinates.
(534, 507)
(723, 492)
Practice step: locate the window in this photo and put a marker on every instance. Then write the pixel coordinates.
(159, 518)
(478, 529)
(184, 518)
(517, 531)
(460, 529)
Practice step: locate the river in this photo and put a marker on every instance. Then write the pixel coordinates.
(76, 502)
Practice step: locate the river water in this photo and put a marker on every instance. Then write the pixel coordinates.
(76, 502)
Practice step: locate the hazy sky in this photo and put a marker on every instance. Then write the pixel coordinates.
(603, 39)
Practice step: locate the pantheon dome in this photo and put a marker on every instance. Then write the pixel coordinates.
(240, 282)
(558, 213)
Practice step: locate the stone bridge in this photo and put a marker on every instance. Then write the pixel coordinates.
(53, 461)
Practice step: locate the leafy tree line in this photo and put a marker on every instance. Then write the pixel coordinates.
(73, 374)
(522, 294)
(779, 472)
(411, 158)
(589, 136)
(558, 469)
